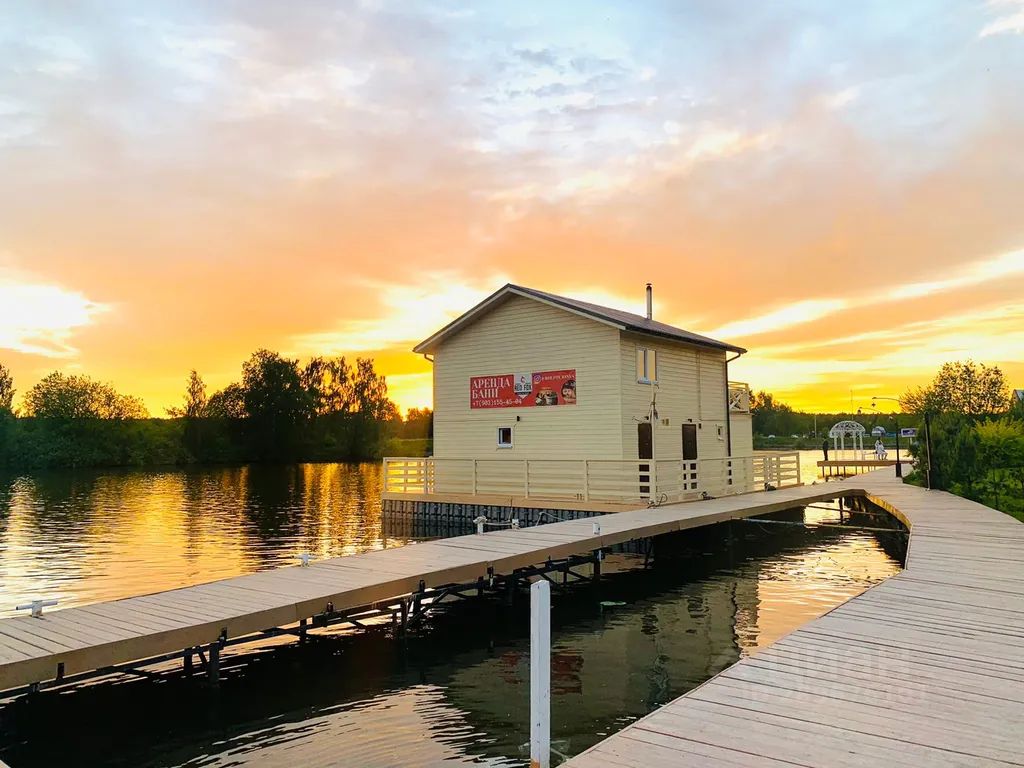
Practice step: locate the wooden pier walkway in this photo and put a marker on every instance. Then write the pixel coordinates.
(843, 467)
(93, 637)
(924, 669)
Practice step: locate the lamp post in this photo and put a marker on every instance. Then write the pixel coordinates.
(899, 464)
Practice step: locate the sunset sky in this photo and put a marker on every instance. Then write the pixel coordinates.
(837, 186)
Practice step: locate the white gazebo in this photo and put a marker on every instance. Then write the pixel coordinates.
(848, 430)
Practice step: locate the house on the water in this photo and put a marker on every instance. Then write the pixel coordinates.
(544, 397)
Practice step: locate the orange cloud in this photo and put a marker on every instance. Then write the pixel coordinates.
(816, 184)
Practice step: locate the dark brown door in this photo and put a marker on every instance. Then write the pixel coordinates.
(645, 450)
(644, 441)
(689, 442)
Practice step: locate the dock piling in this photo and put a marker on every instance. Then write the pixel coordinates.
(540, 674)
(213, 665)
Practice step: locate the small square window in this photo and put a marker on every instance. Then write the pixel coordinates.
(646, 365)
(504, 437)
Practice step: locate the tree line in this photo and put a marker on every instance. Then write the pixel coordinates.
(975, 432)
(976, 435)
(280, 410)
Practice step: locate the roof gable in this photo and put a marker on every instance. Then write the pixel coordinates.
(626, 321)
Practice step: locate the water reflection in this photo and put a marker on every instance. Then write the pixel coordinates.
(458, 693)
(88, 536)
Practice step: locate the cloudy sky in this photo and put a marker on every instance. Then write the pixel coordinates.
(837, 186)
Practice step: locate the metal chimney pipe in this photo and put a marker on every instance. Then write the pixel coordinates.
(650, 303)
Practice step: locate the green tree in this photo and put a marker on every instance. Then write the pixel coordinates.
(967, 387)
(276, 403)
(79, 397)
(193, 412)
(370, 392)
(194, 406)
(956, 463)
(770, 416)
(1001, 456)
(227, 403)
(328, 383)
(6, 390)
(418, 424)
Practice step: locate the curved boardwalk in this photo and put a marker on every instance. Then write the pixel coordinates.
(96, 636)
(924, 669)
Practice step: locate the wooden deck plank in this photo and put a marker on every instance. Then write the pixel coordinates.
(923, 669)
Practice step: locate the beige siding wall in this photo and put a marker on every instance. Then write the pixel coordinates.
(691, 387)
(742, 435)
(527, 335)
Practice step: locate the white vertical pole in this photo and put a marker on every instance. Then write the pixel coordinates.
(540, 674)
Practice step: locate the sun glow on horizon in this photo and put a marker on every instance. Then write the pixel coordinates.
(40, 319)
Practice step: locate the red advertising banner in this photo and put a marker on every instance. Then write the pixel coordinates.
(523, 390)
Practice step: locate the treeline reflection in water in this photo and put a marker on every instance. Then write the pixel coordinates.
(88, 536)
(457, 692)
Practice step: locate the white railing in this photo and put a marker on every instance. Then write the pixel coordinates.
(739, 397)
(777, 469)
(599, 480)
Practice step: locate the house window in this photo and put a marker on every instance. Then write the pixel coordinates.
(504, 437)
(646, 365)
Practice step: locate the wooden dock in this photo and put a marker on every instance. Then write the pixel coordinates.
(79, 640)
(843, 467)
(924, 669)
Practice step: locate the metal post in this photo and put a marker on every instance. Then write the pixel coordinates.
(540, 674)
(899, 464)
(928, 449)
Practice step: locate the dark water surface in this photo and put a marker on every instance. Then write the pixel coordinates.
(456, 693)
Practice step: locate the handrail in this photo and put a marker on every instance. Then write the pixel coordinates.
(739, 397)
(605, 480)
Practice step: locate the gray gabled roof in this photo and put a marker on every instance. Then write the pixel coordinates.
(626, 321)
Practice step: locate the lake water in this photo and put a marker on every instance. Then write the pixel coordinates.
(456, 693)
